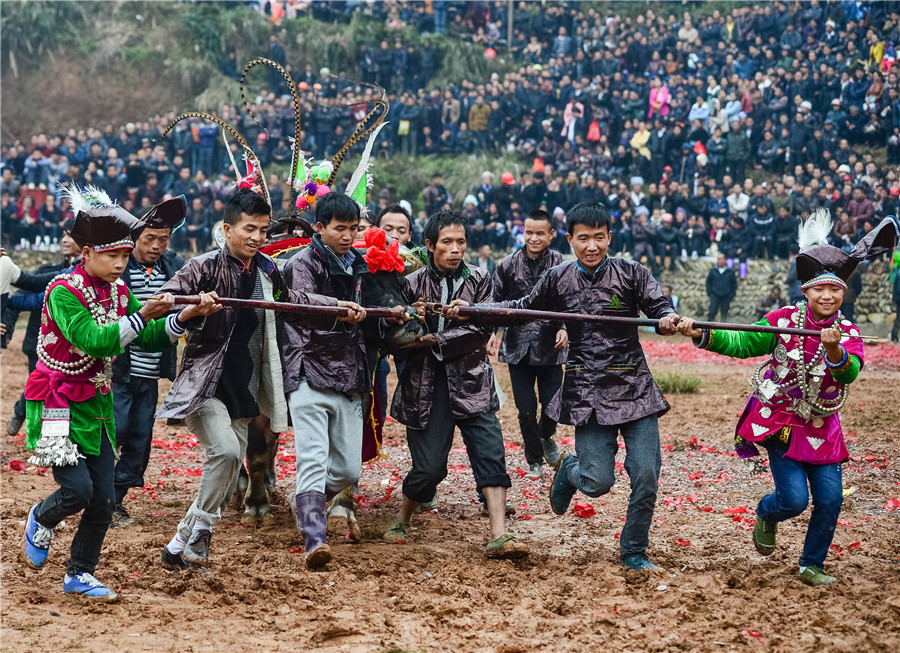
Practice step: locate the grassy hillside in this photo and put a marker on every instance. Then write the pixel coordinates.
(69, 64)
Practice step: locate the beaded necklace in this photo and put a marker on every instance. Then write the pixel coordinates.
(101, 316)
(808, 379)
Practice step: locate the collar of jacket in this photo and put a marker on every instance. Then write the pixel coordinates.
(596, 271)
(262, 261)
(455, 274)
(540, 259)
(334, 266)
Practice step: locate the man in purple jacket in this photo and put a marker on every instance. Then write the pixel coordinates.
(326, 372)
(451, 356)
(534, 351)
(607, 387)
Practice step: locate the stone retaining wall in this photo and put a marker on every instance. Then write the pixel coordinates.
(874, 309)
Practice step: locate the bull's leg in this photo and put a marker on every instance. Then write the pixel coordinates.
(341, 515)
(256, 495)
(237, 499)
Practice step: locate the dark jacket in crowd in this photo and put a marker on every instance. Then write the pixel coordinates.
(333, 358)
(762, 225)
(462, 351)
(606, 373)
(737, 242)
(721, 283)
(531, 342)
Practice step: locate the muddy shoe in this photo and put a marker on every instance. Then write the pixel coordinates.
(506, 547)
(14, 424)
(398, 532)
(638, 562)
(561, 491)
(318, 557)
(197, 550)
(36, 545)
(764, 536)
(429, 506)
(173, 561)
(85, 584)
(815, 576)
(551, 452)
(121, 518)
(535, 471)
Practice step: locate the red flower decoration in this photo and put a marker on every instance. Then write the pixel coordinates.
(377, 257)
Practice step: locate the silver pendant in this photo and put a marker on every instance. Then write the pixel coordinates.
(765, 412)
(802, 410)
(758, 429)
(818, 422)
(781, 353)
(767, 389)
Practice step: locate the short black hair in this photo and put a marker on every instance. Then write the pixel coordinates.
(394, 208)
(538, 214)
(593, 215)
(245, 202)
(336, 206)
(442, 219)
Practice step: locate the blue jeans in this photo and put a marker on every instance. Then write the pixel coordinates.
(791, 498)
(594, 473)
(133, 408)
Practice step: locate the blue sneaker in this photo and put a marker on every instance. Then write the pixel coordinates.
(561, 491)
(639, 562)
(86, 585)
(36, 546)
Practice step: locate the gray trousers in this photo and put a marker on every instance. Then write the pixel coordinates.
(225, 442)
(328, 433)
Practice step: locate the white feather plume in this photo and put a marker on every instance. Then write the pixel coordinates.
(815, 230)
(87, 198)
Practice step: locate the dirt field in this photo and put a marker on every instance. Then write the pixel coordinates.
(436, 592)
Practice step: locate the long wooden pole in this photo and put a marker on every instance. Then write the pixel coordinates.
(523, 315)
(337, 311)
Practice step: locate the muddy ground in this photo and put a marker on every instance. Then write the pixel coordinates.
(436, 592)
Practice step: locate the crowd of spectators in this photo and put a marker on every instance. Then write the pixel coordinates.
(703, 134)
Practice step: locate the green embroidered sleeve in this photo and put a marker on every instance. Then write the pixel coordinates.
(154, 336)
(848, 372)
(742, 344)
(78, 326)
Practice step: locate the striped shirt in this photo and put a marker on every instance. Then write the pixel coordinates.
(144, 283)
